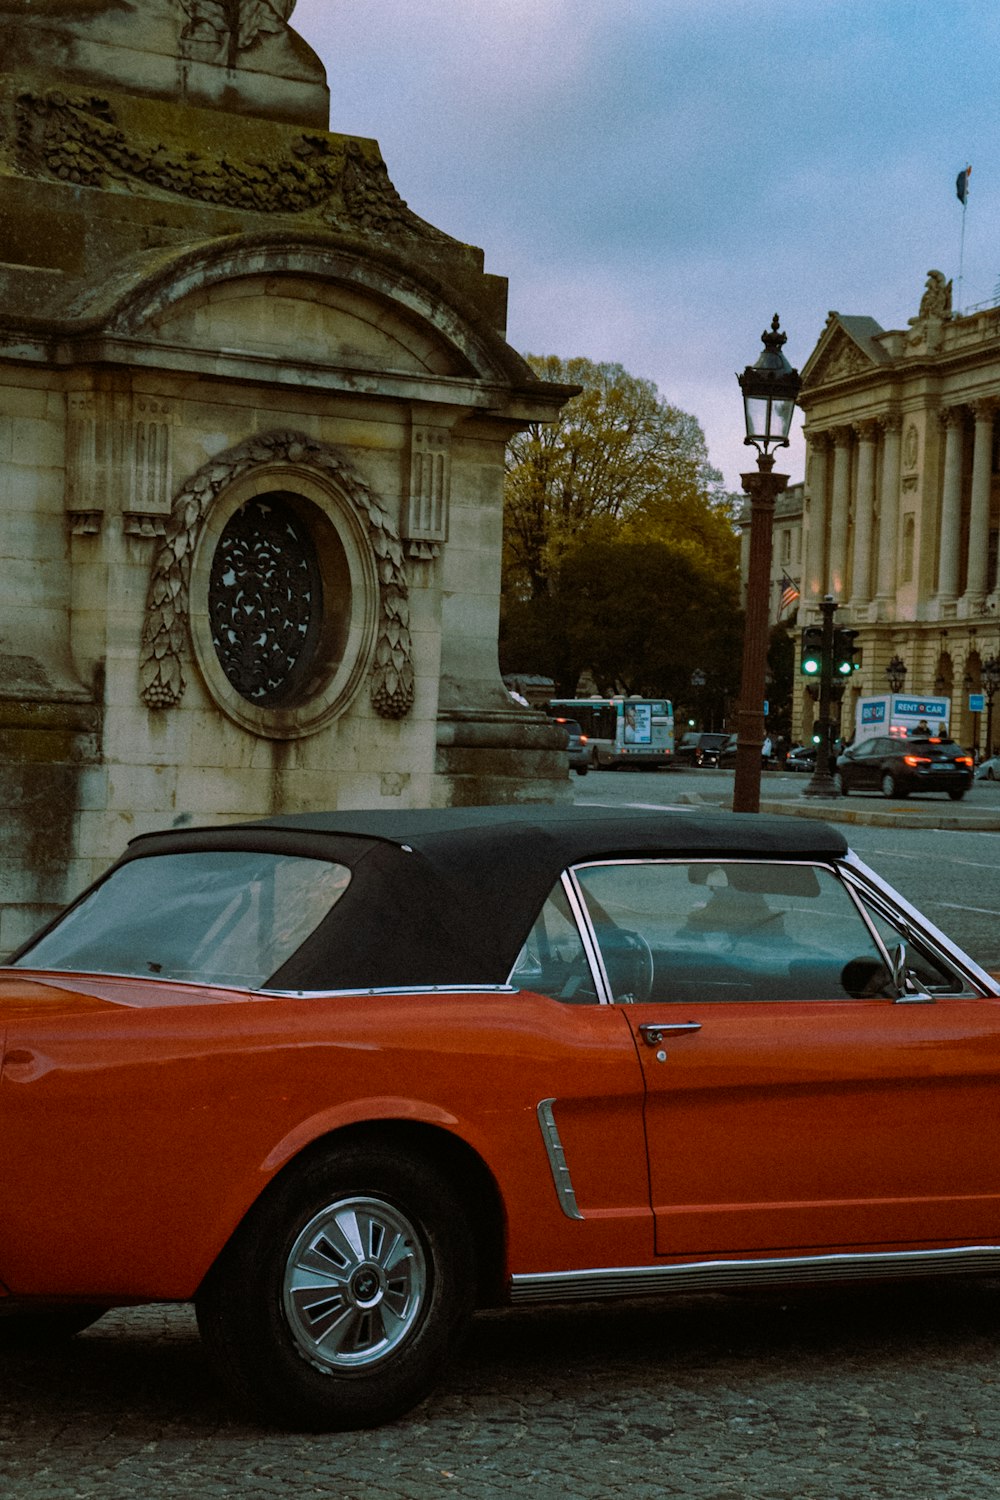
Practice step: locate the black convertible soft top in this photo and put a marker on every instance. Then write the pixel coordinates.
(447, 896)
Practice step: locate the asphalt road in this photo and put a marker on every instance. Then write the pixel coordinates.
(843, 1395)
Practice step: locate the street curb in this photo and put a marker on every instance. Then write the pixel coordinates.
(832, 810)
(892, 815)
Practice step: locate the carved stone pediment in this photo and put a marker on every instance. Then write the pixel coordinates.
(840, 359)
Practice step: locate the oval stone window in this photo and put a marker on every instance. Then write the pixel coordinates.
(265, 601)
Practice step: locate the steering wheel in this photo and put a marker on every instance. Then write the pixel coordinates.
(628, 960)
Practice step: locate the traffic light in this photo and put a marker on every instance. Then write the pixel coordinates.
(844, 651)
(811, 657)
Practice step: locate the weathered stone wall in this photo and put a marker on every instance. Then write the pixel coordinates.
(235, 369)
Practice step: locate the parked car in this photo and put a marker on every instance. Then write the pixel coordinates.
(341, 1078)
(699, 749)
(897, 767)
(727, 755)
(988, 770)
(577, 749)
(801, 758)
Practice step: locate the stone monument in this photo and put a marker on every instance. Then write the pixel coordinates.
(253, 412)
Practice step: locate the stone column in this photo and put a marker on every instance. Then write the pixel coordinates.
(979, 516)
(814, 561)
(839, 506)
(864, 515)
(951, 504)
(888, 540)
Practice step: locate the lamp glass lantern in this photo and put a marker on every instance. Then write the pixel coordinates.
(770, 389)
(896, 673)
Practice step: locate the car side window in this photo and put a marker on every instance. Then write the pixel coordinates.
(677, 932)
(553, 960)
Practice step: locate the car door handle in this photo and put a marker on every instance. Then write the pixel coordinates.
(653, 1032)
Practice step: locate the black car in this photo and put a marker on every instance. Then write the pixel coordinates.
(801, 758)
(697, 749)
(576, 746)
(897, 767)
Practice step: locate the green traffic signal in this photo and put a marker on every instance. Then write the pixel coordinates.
(811, 658)
(844, 651)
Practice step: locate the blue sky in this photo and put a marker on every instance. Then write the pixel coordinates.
(657, 178)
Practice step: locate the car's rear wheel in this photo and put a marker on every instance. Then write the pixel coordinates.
(340, 1297)
(891, 787)
(956, 793)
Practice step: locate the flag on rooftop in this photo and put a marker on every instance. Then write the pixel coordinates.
(789, 593)
(962, 185)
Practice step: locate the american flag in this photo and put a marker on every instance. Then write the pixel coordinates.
(789, 593)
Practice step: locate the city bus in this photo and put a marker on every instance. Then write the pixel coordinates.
(621, 731)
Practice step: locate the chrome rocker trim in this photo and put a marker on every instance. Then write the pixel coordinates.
(717, 1275)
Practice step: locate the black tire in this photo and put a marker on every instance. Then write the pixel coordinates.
(956, 793)
(891, 787)
(582, 770)
(840, 785)
(23, 1329)
(312, 1332)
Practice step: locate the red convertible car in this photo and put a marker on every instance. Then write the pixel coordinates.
(343, 1078)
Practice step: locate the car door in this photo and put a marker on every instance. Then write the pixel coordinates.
(791, 1106)
(865, 767)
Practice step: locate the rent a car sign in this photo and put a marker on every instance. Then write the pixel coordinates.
(895, 711)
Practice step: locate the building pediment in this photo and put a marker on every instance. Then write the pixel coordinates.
(847, 348)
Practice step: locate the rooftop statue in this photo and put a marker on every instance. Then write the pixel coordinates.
(233, 25)
(171, 49)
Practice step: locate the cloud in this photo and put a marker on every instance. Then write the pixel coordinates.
(658, 177)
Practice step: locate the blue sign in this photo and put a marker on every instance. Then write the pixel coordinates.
(873, 713)
(977, 703)
(927, 708)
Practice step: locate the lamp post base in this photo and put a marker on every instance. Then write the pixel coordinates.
(821, 784)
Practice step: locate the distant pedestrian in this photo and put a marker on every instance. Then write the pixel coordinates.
(765, 750)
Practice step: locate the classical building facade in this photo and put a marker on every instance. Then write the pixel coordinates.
(902, 508)
(253, 413)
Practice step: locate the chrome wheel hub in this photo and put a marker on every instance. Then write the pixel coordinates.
(355, 1284)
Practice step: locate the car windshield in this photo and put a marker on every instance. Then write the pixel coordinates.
(212, 917)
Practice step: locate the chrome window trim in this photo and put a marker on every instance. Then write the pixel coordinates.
(585, 927)
(716, 1275)
(391, 989)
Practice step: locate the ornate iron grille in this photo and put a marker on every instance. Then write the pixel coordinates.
(265, 601)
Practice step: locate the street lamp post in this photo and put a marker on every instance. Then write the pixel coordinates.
(770, 388)
(989, 675)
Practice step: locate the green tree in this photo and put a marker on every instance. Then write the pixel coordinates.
(619, 456)
(620, 549)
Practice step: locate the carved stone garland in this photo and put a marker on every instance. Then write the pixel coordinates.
(167, 603)
(343, 183)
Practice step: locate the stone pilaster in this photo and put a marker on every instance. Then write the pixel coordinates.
(888, 540)
(951, 505)
(814, 561)
(864, 515)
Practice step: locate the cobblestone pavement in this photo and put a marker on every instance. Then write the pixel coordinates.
(844, 1395)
